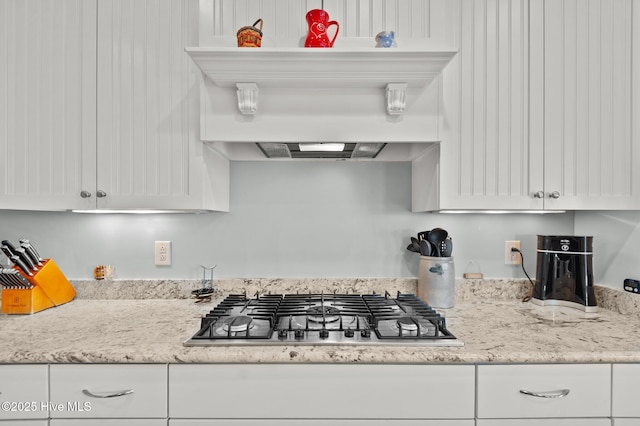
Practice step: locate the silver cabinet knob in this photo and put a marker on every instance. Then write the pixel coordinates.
(554, 194)
(85, 194)
(539, 194)
(101, 194)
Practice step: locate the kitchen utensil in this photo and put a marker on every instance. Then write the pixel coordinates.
(21, 265)
(435, 237)
(31, 251)
(250, 36)
(425, 248)
(411, 248)
(26, 259)
(423, 235)
(318, 22)
(416, 244)
(446, 248)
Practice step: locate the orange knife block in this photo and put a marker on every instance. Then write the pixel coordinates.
(50, 288)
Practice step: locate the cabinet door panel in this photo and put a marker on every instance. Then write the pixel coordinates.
(107, 422)
(486, 160)
(321, 391)
(149, 155)
(25, 388)
(626, 385)
(47, 103)
(545, 422)
(500, 396)
(148, 383)
(588, 100)
(296, 422)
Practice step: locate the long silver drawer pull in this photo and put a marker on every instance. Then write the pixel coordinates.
(550, 394)
(108, 395)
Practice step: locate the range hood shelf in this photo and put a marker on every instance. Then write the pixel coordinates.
(307, 67)
(390, 70)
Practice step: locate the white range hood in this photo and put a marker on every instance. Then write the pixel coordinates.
(292, 95)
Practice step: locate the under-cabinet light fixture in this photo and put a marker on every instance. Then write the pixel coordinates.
(501, 211)
(134, 211)
(328, 147)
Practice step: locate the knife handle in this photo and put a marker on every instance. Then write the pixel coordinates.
(31, 250)
(9, 245)
(20, 264)
(7, 251)
(22, 254)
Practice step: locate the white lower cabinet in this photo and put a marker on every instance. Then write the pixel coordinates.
(551, 391)
(626, 385)
(107, 422)
(313, 393)
(24, 390)
(543, 422)
(131, 391)
(321, 422)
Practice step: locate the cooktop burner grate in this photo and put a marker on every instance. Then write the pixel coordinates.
(323, 319)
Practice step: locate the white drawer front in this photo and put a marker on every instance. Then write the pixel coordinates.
(499, 389)
(107, 422)
(24, 391)
(322, 423)
(626, 422)
(544, 422)
(148, 383)
(268, 391)
(626, 388)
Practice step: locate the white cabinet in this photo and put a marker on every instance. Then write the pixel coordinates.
(47, 102)
(625, 388)
(333, 422)
(544, 391)
(544, 422)
(314, 392)
(107, 422)
(583, 95)
(23, 390)
(538, 109)
(99, 108)
(149, 154)
(109, 391)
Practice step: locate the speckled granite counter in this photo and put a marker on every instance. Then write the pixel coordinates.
(497, 329)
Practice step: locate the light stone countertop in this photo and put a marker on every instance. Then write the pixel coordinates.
(489, 318)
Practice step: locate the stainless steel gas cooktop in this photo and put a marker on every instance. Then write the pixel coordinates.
(323, 319)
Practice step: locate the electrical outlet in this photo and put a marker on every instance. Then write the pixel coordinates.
(512, 257)
(163, 253)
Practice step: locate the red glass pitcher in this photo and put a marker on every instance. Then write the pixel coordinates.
(318, 21)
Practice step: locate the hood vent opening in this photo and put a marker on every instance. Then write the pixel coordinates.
(294, 150)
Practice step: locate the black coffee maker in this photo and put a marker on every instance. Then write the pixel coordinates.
(564, 272)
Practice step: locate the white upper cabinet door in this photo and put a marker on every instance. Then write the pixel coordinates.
(485, 157)
(590, 90)
(47, 103)
(148, 150)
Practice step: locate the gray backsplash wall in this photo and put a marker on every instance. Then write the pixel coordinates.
(289, 219)
(616, 244)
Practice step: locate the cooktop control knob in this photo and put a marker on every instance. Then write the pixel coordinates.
(324, 333)
(349, 333)
(299, 333)
(365, 333)
(282, 334)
